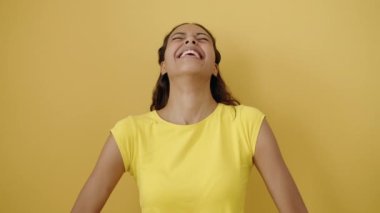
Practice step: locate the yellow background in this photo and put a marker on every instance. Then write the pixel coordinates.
(71, 69)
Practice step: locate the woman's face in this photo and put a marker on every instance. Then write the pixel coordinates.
(189, 51)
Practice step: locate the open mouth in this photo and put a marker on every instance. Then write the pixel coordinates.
(190, 53)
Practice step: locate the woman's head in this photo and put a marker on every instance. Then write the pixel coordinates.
(162, 49)
(204, 45)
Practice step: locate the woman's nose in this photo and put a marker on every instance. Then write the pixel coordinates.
(190, 40)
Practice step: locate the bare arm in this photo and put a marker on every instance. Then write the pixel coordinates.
(102, 180)
(276, 175)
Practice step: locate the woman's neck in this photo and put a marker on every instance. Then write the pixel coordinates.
(188, 103)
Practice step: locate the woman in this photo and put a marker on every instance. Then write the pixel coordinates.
(193, 152)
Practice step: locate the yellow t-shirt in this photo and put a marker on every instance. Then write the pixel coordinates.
(201, 167)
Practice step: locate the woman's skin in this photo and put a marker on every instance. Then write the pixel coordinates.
(190, 98)
(190, 101)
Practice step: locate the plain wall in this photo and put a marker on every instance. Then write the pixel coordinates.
(69, 70)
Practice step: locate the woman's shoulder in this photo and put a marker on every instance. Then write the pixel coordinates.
(243, 110)
(136, 119)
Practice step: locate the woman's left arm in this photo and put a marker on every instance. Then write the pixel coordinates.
(276, 175)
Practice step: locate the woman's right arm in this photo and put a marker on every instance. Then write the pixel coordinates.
(103, 179)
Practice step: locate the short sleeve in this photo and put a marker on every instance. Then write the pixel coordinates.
(252, 120)
(122, 132)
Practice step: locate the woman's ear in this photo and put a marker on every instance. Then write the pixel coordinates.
(216, 70)
(162, 68)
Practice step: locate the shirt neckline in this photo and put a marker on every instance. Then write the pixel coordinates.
(204, 120)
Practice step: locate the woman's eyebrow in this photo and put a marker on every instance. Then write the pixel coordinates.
(205, 34)
(197, 34)
(178, 33)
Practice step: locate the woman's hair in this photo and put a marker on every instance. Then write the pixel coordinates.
(218, 88)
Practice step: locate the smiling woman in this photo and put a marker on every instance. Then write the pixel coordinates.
(218, 87)
(194, 150)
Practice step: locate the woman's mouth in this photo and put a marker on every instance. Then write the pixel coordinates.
(190, 53)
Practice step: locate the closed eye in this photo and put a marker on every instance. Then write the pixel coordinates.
(203, 39)
(176, 38)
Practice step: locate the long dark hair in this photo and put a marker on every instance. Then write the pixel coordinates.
(218, 88)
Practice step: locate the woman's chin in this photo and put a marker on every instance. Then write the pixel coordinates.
(190, 71)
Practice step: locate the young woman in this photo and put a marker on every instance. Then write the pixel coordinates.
(194, 150)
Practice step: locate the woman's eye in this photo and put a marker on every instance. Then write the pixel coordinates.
(176, 38)
(203, 39)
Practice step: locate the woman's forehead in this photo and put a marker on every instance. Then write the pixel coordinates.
(189, 28)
